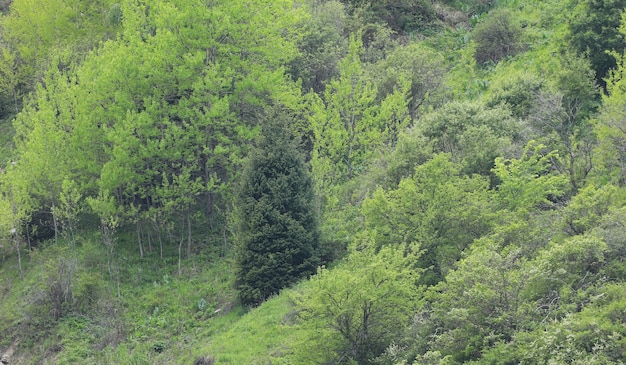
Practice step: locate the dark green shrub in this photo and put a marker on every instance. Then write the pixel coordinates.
(496, 37)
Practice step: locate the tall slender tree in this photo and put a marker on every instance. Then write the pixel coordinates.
(278, 229)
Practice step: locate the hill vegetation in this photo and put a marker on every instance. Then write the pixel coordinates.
(312, 182)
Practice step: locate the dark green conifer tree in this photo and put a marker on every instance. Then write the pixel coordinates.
(278, 228)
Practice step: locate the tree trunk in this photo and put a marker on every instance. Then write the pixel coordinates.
(139, 238)
(30, 247)
(19, 256)
(157, 227)
(56, 225)
(180, 245)
(188, 233)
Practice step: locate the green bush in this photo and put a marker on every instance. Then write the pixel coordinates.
(496, 37)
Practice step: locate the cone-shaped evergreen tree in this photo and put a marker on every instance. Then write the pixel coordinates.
(278, 229)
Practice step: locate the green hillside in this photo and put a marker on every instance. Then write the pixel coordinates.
(397, 182)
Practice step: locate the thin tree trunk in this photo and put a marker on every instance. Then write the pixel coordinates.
(56, 225)
(19, 256)
(157, 227)
(112, 266)
(188, 233)
(15, 100)
(180, 245)
(117, 278)
(30, 247)
(139, 238)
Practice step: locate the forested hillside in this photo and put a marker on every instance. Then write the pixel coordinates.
(398, 182)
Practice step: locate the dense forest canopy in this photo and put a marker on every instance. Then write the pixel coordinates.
(312, 182)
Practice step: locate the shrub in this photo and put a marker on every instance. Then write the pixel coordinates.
(496, 37)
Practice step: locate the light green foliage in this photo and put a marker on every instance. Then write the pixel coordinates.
(350, 314)
(465, 77)
(15, 212)
(419, 166)
(564, 268)
(594, 335)
(561, 117)
(471, 133)
(610, 231)
(610, 129)
(417, 65)
(527, 182)
(51, 147)
(517, 89)
(322, 45)
(346, 130)
(497, 294)
(437, 208)
(69, 208)
(479, 303)
(7, 223)
(587, 208)
(38, 32)
(412, 150)
(158, 119)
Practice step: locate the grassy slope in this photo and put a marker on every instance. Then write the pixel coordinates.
(258, 337)
(159, 317)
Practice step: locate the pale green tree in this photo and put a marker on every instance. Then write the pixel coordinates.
(528, 181)
(346, 130)
(350, 314)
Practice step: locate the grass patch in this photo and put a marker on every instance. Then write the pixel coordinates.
(256, 337)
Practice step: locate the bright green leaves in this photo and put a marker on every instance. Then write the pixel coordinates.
(610, 127)
(344, 124)
(470, 133)
(350, 314)
(479, 303)
(437, 208)
(161, 117)
(351, 125)
(585, 210)
(527, 182)
(415, 69)
(38, 32)
(561, 117)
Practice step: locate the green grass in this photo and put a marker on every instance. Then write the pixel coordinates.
(257, 337)
(158, 319)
